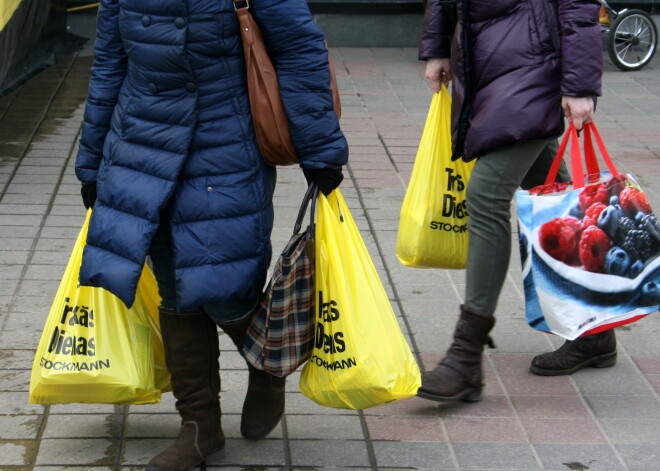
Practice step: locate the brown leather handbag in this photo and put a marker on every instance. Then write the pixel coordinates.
(271, 124)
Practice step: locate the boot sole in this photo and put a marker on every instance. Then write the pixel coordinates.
(263, 433)
(467, 395)
(601, 361)
(217, 454)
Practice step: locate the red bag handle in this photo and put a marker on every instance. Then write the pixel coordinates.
(554, 169)
(590, 156)
(593, 169)
(591, 127)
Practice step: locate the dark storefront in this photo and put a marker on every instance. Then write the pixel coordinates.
(30, 32)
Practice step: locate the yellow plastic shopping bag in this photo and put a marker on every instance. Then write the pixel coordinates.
(433, 221)
(95, 350)
(361, 358)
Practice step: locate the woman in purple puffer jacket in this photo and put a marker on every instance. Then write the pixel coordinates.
(518, 68)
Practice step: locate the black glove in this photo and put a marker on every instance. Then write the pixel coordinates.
(327, 179)
(88, 192)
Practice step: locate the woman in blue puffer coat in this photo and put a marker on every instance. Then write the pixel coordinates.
(518, 68)
(169, 161)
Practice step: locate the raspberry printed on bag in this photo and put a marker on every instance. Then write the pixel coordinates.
(594, 245)
(593, 194)
(553, 187)
(592, 214)
(559, 239)
(595, 210)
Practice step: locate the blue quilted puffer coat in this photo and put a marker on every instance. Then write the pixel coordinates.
(167, 124)
(512, 62)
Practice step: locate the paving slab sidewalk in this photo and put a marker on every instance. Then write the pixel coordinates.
(594, 420)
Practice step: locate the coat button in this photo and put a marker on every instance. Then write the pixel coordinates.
(190, 87)
(153, 88)
(180, 22)
(146, 21)
(210, 188)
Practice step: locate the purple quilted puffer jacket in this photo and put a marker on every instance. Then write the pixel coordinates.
(512, 61)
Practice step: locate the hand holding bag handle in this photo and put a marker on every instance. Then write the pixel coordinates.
(269, 118)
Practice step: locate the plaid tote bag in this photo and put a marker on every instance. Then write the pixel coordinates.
(280, 336)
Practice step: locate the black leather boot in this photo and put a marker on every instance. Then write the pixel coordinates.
(263, 407)
(458, 377)
(598, 351)
(191, 354)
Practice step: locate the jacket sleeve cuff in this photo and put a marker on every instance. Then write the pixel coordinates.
(582, 58)
(435, 40)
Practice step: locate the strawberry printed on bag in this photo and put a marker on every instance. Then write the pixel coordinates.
(616, 184)
(634, 200)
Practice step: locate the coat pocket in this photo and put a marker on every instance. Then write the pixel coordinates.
(121, 110)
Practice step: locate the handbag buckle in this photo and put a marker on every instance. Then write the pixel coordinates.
(246, 2)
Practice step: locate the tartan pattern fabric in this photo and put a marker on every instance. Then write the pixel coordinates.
(280, 336)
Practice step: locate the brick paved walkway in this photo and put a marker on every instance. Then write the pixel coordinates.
(594, 420)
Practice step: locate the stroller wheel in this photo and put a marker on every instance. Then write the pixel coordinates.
(632, 40)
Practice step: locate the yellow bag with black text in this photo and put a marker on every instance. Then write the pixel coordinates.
(361, 358)
(433, 219)
(94, 349)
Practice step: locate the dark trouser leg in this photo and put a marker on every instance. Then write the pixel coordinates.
(539, 170)
(494, 180)
(162, 261)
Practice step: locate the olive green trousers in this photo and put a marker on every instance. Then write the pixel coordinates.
(495, 178)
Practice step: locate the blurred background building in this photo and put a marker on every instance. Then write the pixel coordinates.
(30, 33)
(33, 32)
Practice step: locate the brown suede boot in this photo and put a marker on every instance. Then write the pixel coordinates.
(458, 377)
(191, 354)
(598, 351)
(263, 407)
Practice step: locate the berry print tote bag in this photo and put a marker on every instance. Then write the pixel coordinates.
(589, 249)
